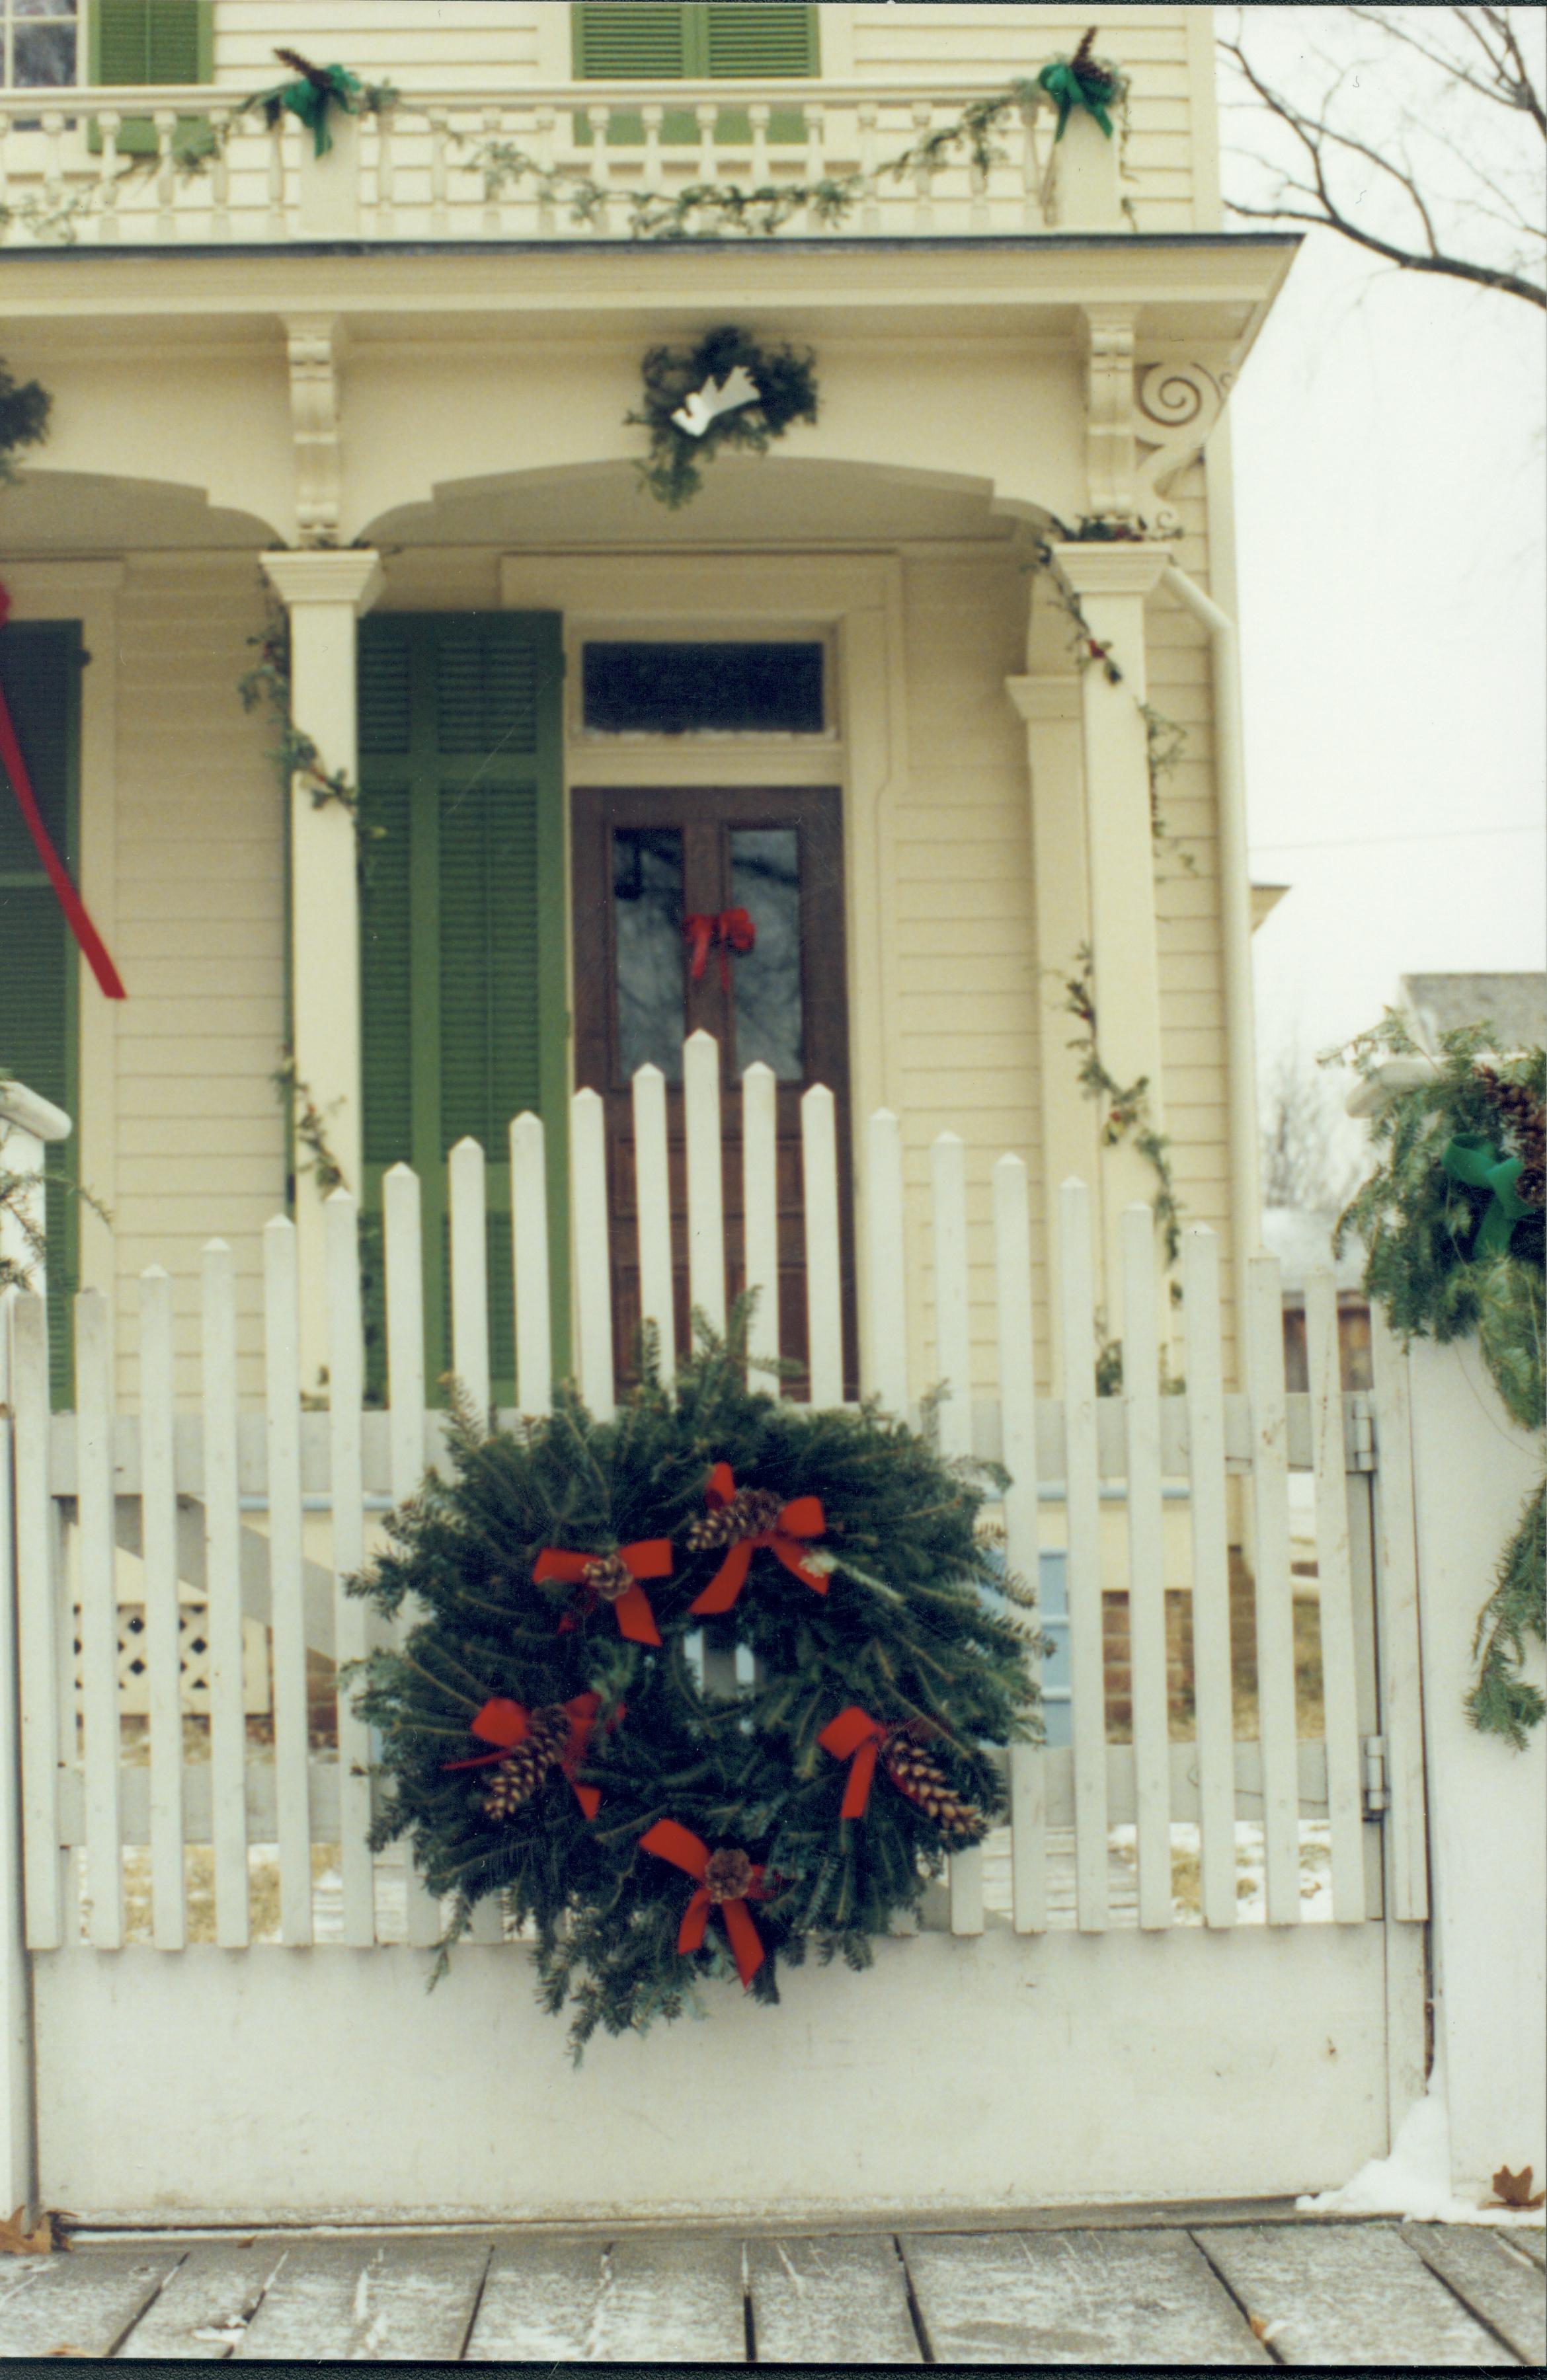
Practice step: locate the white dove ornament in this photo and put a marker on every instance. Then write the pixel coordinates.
(727, 395)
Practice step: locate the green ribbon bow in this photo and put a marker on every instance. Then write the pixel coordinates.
(1469, 1157)
(1067, 92)
(313, 102)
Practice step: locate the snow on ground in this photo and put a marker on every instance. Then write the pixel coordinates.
(1414, 2179)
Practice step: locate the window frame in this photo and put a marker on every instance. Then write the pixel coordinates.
(9, 22)
(604, 631)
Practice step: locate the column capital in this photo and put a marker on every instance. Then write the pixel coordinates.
(1046, 702)
(1115, 567)
(351, 576)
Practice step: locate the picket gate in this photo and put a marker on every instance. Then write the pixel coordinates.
(1045, 2035)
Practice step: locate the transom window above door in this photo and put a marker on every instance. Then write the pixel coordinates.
(643, 687)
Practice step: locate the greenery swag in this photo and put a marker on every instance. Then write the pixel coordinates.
(547, 1738)
(1451, 1219)
(24, 410)
(318, 94)
(786, 384)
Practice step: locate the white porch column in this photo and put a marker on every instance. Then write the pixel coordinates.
(1052, 710)
(324, 593)
(1112, 582)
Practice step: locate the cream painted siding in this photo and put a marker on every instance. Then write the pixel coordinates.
(962, 1035)
(200, 939)
(400, 40)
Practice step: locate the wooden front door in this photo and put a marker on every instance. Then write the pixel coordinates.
(645, 861)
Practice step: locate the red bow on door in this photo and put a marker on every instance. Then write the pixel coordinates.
(732, 930)
(70, 900)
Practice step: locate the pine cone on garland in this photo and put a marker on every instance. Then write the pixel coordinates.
(749, 1513)
(1093, 76)
(913, 1772)
(1528, 1124)
(519, 1777)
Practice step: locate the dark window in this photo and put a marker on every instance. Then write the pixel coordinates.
(669, 689)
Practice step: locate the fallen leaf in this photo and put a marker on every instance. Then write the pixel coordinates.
(1514, 2188)
(15, 2242)
(1258, 2328)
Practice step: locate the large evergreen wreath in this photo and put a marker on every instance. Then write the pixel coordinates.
(785, 384)
(546, 1736)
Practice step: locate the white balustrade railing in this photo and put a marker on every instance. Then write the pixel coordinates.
(177, 1489)
(206, 168)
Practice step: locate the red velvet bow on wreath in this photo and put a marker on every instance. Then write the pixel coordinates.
(726, 1879)
(612, 1578)
(531, 1742)
(732, 930)
(749, 1521)
(862, 1741)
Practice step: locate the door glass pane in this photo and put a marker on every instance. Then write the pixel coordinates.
(647, 926)
(765, 881)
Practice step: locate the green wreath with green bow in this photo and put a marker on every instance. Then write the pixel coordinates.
(316, 93)
(1086, 82)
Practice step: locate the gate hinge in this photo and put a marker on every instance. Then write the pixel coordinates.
(1376, 1797)
(1362, 1442)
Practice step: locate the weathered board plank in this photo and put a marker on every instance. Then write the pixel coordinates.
(78, 2304)
(1075, 2296)
(1358, 2294)
(653, 2297)
(353, 2301)
(830, 2300)
(1501, 2285)
(1532, 2243)
(202, 2314)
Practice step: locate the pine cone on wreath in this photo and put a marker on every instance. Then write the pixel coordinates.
(519, 1777)
(749, 1513)
(915, 1773)
(1528, 1124)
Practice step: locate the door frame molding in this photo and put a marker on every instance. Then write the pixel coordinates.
(854, 601)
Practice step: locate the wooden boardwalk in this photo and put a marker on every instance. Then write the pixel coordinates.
(1166, 2286)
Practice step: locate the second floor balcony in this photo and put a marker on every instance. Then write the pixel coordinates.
(193, 164)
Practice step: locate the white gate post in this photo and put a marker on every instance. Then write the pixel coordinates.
(27, 1125)
(1472, 1470)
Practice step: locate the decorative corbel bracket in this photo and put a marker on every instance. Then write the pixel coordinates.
(315, 349)
(1110, 453)
(1178, 405)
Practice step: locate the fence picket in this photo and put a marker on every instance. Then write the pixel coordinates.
(1212, 1699)
(158, 1509)
(1335, 1584)
(706, 1227)
(887, 1321)
(1146, 1567)
(38, 1625)
(99, 1619)
(1083, 1490)
(470, 1273)
(653, 1202)
(528, 1228)
(760, 1208)
(402, 1227)
(287, 1617)
(824, 1297)
(593, 1266)
(223, 1587)
(1397, 1609)
(345, 1382)
(953, 1339)
(1017, 1410)
(1275, 1597)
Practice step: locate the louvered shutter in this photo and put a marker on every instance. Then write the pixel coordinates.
(462, 949)
(760, 38)
(39, 669)
(152, 41)
(620, 40)
(624, 40)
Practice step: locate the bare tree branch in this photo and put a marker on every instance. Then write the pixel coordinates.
(1459, 193)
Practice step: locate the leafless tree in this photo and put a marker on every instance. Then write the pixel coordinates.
(1312, 1152)
(1416, 133)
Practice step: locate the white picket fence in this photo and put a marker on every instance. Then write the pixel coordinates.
(179, 1490)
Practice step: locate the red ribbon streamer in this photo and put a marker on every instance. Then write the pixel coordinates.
(688, 1852)
(856, 1737)
(70, 900)
(732, 930)
(506, 1724)
(652, 1558)
(803, 1518)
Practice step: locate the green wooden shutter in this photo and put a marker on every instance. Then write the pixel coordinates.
(462, 943)
(146, 42)
(39, 669)
(628, 40)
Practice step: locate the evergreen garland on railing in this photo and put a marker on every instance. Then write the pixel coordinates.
(1452, 1221)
